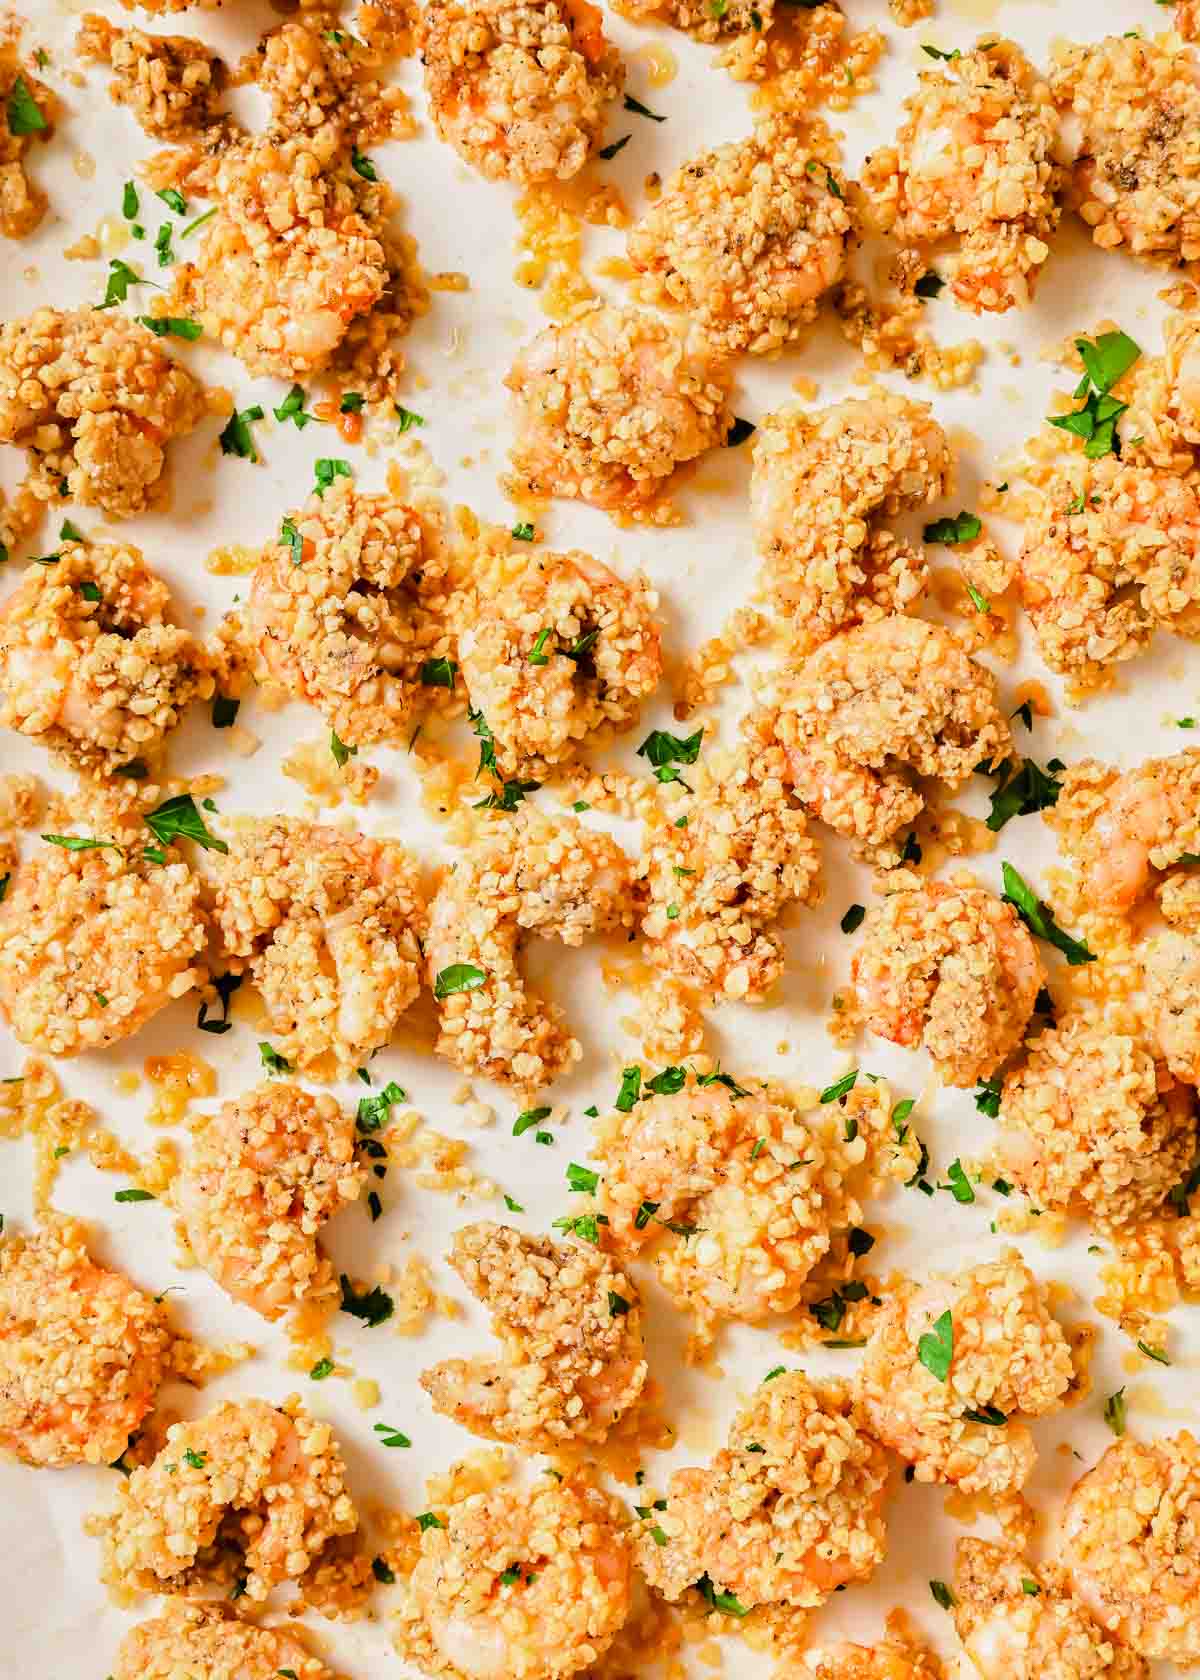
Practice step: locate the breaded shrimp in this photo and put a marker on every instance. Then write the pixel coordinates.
(250, 1489)
(609, 406)
(872, 710)
(952, 968)
(265, 1173)
(1172, 974)
(787, 1513)
(82, 1350)
(1022, 1623)
(519, 88)
(94, 942)
(555, 653)
(703, 19)
(1131, 137)
(954, 1366)
(532, 874)
(95, 400)
(208, 1642)
(339, 611)
(1093, 1123)
(1162, 424)
(1121, 830)
(821, 484)
(331, 923)
(91, 664)
(746, 239)
(1131, 1540)
(22, 205)
(570, 1322)
(520, 1585)
(171, 83)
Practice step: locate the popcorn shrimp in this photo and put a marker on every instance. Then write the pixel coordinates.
(1094, 1124)
(1123, 829)
(520, 1585)
(787, 1513)
(952, 968)
(533, 874)
(91, 664)
(556, 653)
(746, 239)
(609, 406)
(519, 88)
(570, 1323)
(954, 1366)
(1021, 1623)
(1162, 424)
(974, 162)
(1172, 975)
(330, 923)
(82, 1350)
(872, 710)
(208, 1642)
(1131, 1538)
(265, 1173)
(94, 399)
(821, 483)
(250, 1489)
(22, 204)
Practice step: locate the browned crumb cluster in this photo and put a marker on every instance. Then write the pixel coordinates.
(1124, 831)
(703, 19)
(889, 1661)
(22, 205)
(211, 1643)
(171, 83)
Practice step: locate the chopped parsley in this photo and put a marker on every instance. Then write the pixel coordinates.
(272, 1060)
(640, 110)
(407, 417)
(511, 1205)
(129, 202)
(935, 1349)
(664, 752)
(292, 408)
(860, 1242)
(351, 403)
(162, 246)
(199, 222)
(987, 1096)
(840, 1087)
(586, 1226)
(289, 537)
(459, 977)
(930, 285)
(524, 531)
(978, 601)
(197, 1460)
(175, 326)
(582, 1179)
(991, 1415)
(528, 1119)
(936, 52)
(373, 1111)
(536, 655)
(964, 527)
(342, 754)
(1039, 918)
(224, 985)
(1114, 1412)
(390, 1436)
(427, 1520)
(322, 1369)
(941, 1592)
(726, 1602)
(237, 438)
(326, 469)
(382, 1572)
(739, 432)
(173, 199)
(618, 1306)
(224, 711)
(373, 1307)
(608, 153)
(80, 843)
(179, 819)
(511, 794)
(852, 919)
(1105, 361)
(1021, 792)
(24, 113)
(362, 165)
(133, 1196)
(1156, 1354)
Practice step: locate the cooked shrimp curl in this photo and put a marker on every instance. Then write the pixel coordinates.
(209, 1642)
(571, 1326)
(953, 1367)
(265, 1173)
(952, 968)
(1124, 831)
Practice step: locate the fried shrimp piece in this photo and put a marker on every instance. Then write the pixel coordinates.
(337, 611)
(22, 205)
(1021, 1623)
(82, 1350)
(208, 1642)
(1171, 968)
(701, 18)
(1131, 1539)
(1162, 424)
(974, 162)
(952, 968)
(1003, 1356)
(91, 664)
(1093, 1123)
(94, 399)
(519, 88)
(556, 653)
(571, 1325)
(250, 1484)
(746, 238)
(314, 76)
(1123, 830)
(331, 925)
(821, 483)
(787, 1513)
(265, 1173)
(1131, 128)
(872, 710)
(520, 1585)
(95, 942)
(171, 83)
(609, 406)
(535, 874)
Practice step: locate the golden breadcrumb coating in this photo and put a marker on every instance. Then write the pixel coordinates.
(251, 1488)
(1162, 424)
(91, 665)
(609, 406)
(860, 1662)
(570, 1322)
(746, 239)
(22, 204)
(82, 1350)
(1022, 1623)
(1006, 1355)
(821, 483)
(1172, 978)
(519, 1585)
(532, 873)
(1131, 1540)
(555, 653)
(313, 75)
(974, 162)
(208, 1642)
(702, 18)
(264, 1175)
(171, 83)
(1095, 1124)
(95, 942)
(94, 399)
(1123, 831)
(519, 88)
(951, 968)
(331, 924)
(787, 1513)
